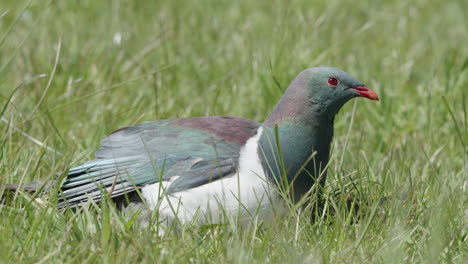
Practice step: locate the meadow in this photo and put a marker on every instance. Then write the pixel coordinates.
(71, 72)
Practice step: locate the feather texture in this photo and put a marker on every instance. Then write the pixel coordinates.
(198, 150)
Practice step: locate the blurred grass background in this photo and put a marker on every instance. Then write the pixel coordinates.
(73, 71)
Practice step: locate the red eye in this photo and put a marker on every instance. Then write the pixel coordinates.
(333, 81)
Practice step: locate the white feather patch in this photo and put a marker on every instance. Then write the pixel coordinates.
(246, 193)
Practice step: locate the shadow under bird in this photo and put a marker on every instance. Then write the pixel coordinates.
(208, 166)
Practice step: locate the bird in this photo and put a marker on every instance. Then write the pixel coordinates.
(201, 168)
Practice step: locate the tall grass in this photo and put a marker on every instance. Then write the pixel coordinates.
(73, 71)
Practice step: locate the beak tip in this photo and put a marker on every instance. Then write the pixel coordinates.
(366, 92)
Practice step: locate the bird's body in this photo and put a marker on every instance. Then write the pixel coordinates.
(244, 193)
(206, 167)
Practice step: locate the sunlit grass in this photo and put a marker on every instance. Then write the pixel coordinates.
(72, 72)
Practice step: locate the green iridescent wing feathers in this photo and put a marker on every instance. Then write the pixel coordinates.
(197, 150)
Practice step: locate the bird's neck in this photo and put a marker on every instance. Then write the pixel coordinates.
(304, 137)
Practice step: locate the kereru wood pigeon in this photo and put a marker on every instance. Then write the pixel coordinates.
(214, 165)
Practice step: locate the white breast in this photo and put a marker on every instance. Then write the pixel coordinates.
(244, 194)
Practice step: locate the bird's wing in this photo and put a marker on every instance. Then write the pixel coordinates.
(197, 150)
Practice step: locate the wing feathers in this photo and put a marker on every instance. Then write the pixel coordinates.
(198, 150)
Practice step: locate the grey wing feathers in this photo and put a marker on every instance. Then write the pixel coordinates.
(91, 180)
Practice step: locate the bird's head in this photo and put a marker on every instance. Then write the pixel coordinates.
(331, 88)
(318, 93)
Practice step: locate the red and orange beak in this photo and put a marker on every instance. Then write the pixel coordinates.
(366, 92)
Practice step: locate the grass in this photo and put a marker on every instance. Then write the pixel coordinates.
(73, 71)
